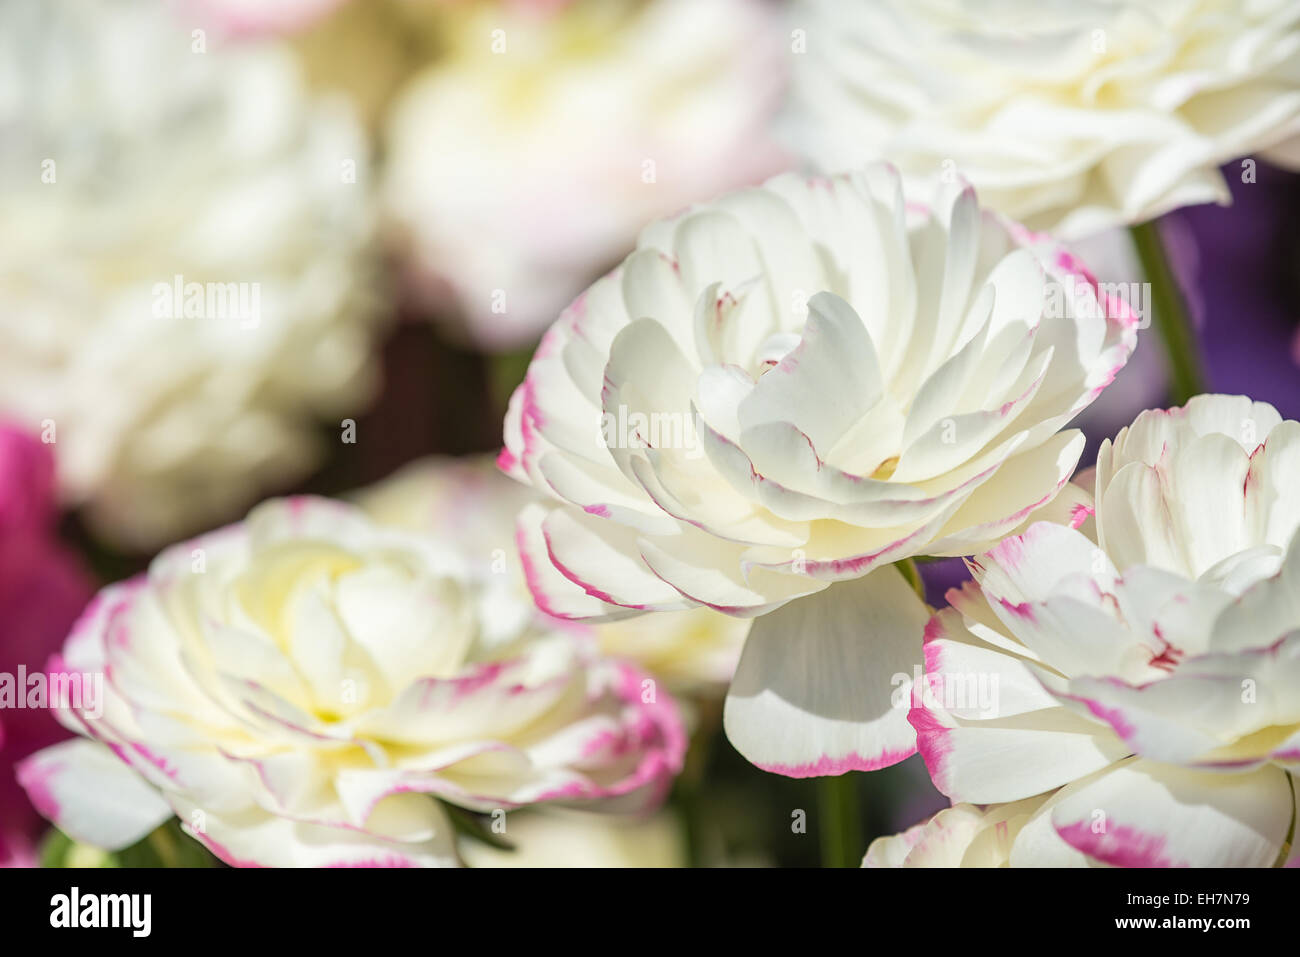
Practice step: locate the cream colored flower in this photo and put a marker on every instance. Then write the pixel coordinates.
(780, 393)
(183, 277)
(468, 502)
(522, 162)
(1147, 680)
(1066, 116)
(960, 836)
(299, 688)
(579, 839)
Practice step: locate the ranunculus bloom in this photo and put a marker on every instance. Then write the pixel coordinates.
(523, 162)
(42, 588)
(1150, 678)
(468, 502)
(134, 167)
(299, 688)
(1068, 117)
(790, 388)
(959, 836)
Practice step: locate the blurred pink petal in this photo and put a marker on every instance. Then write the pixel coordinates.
(42, 589)
(245, 18)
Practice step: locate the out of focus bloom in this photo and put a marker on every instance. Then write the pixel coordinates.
(579, 839)
(243, 18)
(959, 836)
(790, 388)
(1066, 116)
(42, 589)
(298, 689)
(184, 288)
(1144, 687)
(468, 502)
(524, 161)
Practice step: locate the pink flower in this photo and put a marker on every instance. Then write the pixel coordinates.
(42, 588)
(248, 18)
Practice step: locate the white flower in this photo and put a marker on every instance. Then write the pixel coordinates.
(1066, 116)
(463, 501)
(1152, 683)
(467, 502)
(1207, 491)
(299, 687)
(960, 836)
(581, 839)
(791, 387)
(133, 166)
(523, 162)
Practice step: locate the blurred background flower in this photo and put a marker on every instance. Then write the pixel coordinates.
(577, 839)
(467, 501)
(43, 587)
(257, 17)
(1070, 117)
(534, 149)
(188, 288)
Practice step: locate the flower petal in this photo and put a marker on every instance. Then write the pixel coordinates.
(816, 689)
(92, 796)
(1144, 814)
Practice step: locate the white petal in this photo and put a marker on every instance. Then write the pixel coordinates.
(407, 830)
(1143, 814)
(817, 690)
(91, 795)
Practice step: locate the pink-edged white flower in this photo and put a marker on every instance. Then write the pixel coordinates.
(523, 161)
(191, 286)
(787, 389)
(300, 687)
(469, 503)
(964, 835)
(1207, 490)
(1149, 679)
(1066, 116)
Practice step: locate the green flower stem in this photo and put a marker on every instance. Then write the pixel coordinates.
(163, 843)
(913, 575)
(1171, 321)
(839, 826)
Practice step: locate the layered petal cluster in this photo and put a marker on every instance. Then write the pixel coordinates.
(964, 835)
(797, 384)
(1066, 116)
(522, 162)
(470, 504)
(299, 689)
(1206, 491)
(189, 290)
(791, 387)
(43, 587)
(1148, 681)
